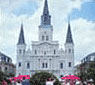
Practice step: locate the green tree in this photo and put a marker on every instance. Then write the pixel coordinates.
(91, 71)
(2, 76)
(5, 76)
(41, 78)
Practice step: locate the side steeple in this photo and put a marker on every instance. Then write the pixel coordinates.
(69, 38)
(21, 36)
(46, 18)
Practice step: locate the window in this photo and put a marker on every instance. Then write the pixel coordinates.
(23, 51)
(20, 51)
(69, 50)
(54, 52)
(61, 65)
(46, 65)
(35, 51)
(8, 60)
(44, 53)
(28, 65)
(19, 64)
(6, 68)
(69, 64)
(42, 37)
(42, 65)
(47, 38)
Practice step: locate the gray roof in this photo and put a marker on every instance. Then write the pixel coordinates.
(45, 18)
(69, 35)
(89, 55)
(45, 11)
(21, 36)
(3, 57)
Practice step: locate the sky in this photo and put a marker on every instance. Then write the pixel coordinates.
(82, 20)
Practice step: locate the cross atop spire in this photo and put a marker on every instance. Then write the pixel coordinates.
(69, 34)
(46, 18)
(21, 36)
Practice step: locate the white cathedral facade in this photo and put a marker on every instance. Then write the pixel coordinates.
(45, 54)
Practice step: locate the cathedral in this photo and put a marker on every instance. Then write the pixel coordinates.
(45, 54)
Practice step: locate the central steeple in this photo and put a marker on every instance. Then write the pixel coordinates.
(46, 18)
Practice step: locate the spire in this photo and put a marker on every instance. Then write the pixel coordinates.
(21, 36)
(69, 34)
(46, 11)
(45, 18)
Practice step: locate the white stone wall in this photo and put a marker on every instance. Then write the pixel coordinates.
(43, 52)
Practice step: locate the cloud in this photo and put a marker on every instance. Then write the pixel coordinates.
(10, 26)
(83, 33)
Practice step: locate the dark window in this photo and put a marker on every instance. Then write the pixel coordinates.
(6, 68)
(46, 65)
(54, 52)
(23, 51)
(69, 50)
(61, 65)
(44, 53)
(8, 60)
(5, 58)
(69, 64)
(42, 37)
(35, 51)
(28, 65)
(42, 65)
(47, 38)
(20, 51)
(19, 64)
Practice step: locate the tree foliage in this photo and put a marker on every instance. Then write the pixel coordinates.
(91, 71)
(41, 78)
(4, 76)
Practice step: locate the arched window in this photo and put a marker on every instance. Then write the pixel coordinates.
(61, 65)
(19, 64)
(69, 64)
(42, 37)
(28, 65)
(47, 38)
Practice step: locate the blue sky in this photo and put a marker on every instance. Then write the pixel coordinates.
(87, 11)
(27, 8)
(82, 15)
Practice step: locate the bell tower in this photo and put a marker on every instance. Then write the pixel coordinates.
(45, 29)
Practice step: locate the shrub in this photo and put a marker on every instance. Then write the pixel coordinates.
(41, 78)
